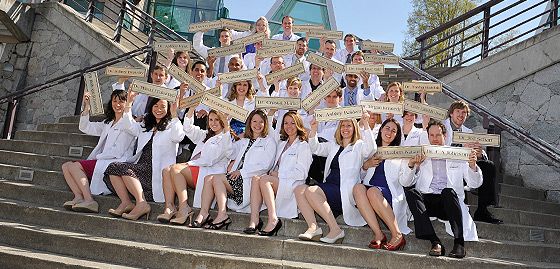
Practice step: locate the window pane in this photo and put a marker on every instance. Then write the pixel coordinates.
(208, 4)
(310, 13)
(183, 3)
(182, 17)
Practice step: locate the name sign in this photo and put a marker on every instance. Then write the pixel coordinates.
(382, 107)
(219, 104)
(325, 63)
(228, 50)
(194, 100)
(205, 26)
(182, 76)
(339, 113)
(382, 59)
(288, 103)
(382, 46)
(419, 86)
(398, 152)
(317, 95)
(125, 72)
(92, 86)
(235, 25)
(275, 51)
(175, 45)
(289, 72)
(492, 140)
(242, 75)
(271, 43)
(445, 152)
(377, 69)
(251, 39)
(302, 28)
(153, 90)
(423, 109)
(328, 34)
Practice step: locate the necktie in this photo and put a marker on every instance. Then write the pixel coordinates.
(351, 98)
(349, 58)
(221, 64)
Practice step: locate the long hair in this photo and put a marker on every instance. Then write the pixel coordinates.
(395, 84)
(233, 92)
(396, 141)
(301, 133)
(265, 20)
(109, 111)
(355, 134)
(249, 131)
(210, 133)
(177, 54)
(150, 120)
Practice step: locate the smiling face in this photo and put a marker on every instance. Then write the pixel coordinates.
(332, 100)
(235, 64)
(159, 110)
(459, 116)
(257, 125)
(301, 47)
(276, 63)
(289, 126)
(358, 59)
(388, 133)
(329, 50)
(349, 43)
(346, 129)
(158, 76)
(317, 72)
(214, 122)
(436, 135)
(394, 94)
(352, 80)
(294, 91)
(287, 23)
(261, 26)
(225, 38)
(183, 60)
(118, 105)
(242, 88)
(409, 118)
(199, 72)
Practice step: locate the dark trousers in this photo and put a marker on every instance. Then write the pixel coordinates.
(316, 170)
(444, 206)
(487, 191)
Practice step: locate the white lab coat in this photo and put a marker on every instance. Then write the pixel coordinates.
(164, 148)
(202, 49)
(414, 138)
(394, 169)
(350, 161)
(287, 57)
(457, 171)
(449, 133)
(214, 154)
(114, 145)
(258, 160)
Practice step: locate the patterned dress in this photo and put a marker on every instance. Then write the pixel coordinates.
(237, 185)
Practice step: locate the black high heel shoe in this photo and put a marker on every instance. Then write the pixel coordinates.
(251, 230)
(220, 225)
(205, 221)
(273, 231)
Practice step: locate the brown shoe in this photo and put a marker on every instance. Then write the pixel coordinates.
(437, 249)
(168, 214)
(86, 207)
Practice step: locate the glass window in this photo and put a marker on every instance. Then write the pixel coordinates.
(208, 4)
(183, 3)
(309, 13)
(182, 18)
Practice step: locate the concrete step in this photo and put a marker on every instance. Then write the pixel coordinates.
(15, 258)
(60, 127)
(58, 137)
(41, 177)
(522, 192)
(531, 205)
(515, 216)
(513, 180)
(34, 160)
(492, 247)
(38, 147)
(280, 247)
(76, 119)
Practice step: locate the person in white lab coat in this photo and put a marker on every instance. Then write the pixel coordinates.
(333, 196)
(85, 177)
(181, 59)
(216, 65)
(394, 94)
(158, 138)
(438, 192)
(380, 193)
(243, 94)
(412, 136)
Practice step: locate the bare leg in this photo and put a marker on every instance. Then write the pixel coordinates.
(269, 187)
(221, 188)
(365, 208)
(318, 201)
(80, 178)
(178, 172)
(384, 210)
(256, 201)
(71, 182)
(135, 188)
(122, 192)
(206, 199)
(305, 208)
(168, 190)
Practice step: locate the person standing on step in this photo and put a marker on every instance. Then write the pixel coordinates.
(216, 65)
(458, 113)
(158, 135)
(438, 192)
(85, 177)
(181, 59)
(333, 196)
(380, 193)
(344, 55)
(287, 35)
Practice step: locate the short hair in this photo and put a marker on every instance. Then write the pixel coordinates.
(301, 133)
(406, 111)
(295, 81)
(330, 41)
(197, 62)
(355, 134)
(287, 17)
(398, 137)
(395, 84)
(459, 104)
(160, 67)
(350, 35)
(276, 57)
(304, 39)
(248, 131)
(225, 30)
(311, 66)
(437, 123)
(357, 53)
(338, 91)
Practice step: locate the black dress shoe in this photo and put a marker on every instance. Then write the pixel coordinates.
(458, 252)
(253, 230)
(437, 249)
(273, 231)
(488, 218)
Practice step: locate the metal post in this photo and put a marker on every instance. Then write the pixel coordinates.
(10, 119)
(151, 56)
(485, 34)
(421, 59)
(554, 13)
(120, 23)
(495, 156)
(80, 97)
(91, 10)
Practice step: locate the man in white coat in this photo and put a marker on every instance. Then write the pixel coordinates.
(439, 192)
(287, 35)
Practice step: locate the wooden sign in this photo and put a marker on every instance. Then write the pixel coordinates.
(398, 152)
(290, 72)
(182, 76)
(303, 28)
(242, 75)
(251, 39)
(381, 46)
(317, 95)
(162, 59)
(273, 43)
(338, 113)
(423, 109)
(175, 45)
(153, 90)
(288, 103)
(194, 100)
(92, 86)
(448, 153)
(205, 26)
(327, 34)
(491, 140)
(382, 59)
(226, 51)
(377, 69)
(219, 104)
(325, 63)
(235, 25)
(383, 107)
(419, 86)
(276, 51)
(125, 72)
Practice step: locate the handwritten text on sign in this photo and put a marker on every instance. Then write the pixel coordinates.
(275, 51)
(492, 140)
(194, 100)
(287, 103)
(251, 39)
(377, 69)
(228, 50)
(328, 34)
(339, 113)
(153, 90)
(382, 46)
(205, 26)
(92, 86)
(289, 72)
(382, 59)
(302, 28)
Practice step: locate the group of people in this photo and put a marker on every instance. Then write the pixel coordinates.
(280, 160)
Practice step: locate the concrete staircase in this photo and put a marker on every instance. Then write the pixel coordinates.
(38, 233)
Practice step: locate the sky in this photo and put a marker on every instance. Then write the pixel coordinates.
(383, 21)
